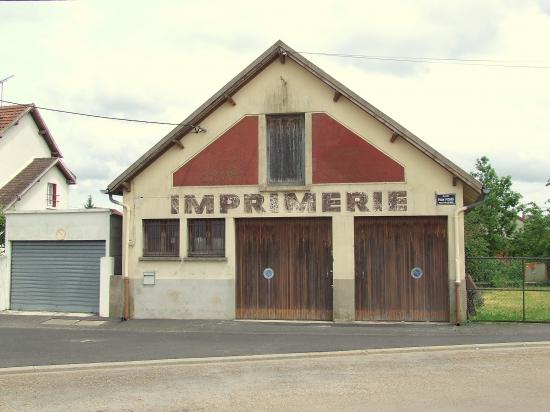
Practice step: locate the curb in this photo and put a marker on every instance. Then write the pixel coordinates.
(256, 358)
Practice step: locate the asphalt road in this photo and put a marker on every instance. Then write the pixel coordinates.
(25, 340)
(493, 379)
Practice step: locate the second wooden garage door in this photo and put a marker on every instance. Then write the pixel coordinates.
(388, 252)
(299, 254)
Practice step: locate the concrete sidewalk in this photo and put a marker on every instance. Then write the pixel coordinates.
(43, 340)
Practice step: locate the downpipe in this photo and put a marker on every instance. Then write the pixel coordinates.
(126, 251)
(458, 277)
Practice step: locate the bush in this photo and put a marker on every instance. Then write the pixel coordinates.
(496, 273)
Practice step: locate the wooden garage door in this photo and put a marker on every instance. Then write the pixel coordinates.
(299, 251)
(387, 249)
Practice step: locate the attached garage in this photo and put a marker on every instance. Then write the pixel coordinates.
(284, 268)
(401, 268)
(63, 261)
(56, 275)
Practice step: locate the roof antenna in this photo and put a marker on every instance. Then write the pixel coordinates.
(2, 89)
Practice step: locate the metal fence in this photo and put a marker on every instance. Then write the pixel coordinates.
(508, 289)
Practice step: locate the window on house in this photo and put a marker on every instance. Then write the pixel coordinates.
(161, 237)
(51, 195)
(286, 149)
(206, 237)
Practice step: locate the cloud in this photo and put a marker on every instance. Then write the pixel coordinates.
(130, 59)
(444, 30)
(117, 104)
(532, 192)
(544, 6)
(525, 167)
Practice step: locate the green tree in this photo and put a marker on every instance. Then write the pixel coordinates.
(534, 238)
(476, 243)
(89, 203)
(490, 228)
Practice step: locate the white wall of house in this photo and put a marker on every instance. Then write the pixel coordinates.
(77, 224)
(18, 146)
(4, 281)
(35, 198)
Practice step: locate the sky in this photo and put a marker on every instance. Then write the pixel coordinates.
(160, 60)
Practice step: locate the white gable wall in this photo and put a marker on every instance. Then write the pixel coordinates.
(35, 198)
(18, 146)
(303, 92)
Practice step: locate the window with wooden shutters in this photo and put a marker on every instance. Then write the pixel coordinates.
(206, 237)
(161, 237)
(286, 149)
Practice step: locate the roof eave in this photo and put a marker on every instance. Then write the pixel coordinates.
(241, 79)
(45, 132)
(391, 124)
(69, 176)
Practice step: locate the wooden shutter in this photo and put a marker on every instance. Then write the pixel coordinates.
(54, 195)
(286, 149)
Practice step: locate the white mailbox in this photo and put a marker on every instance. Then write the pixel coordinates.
(148, 278)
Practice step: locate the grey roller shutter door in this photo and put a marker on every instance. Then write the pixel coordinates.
(56, 275)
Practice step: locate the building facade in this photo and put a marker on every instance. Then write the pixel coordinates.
(287, 196)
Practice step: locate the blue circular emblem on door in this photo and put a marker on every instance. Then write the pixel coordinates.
(416, 272)
(268, 273)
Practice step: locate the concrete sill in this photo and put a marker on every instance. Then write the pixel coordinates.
(204, 259)
(159, 258)
(282, 188)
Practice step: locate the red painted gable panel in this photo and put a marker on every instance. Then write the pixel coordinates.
(231, 160)
(341, 156)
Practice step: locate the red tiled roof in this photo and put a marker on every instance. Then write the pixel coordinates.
(116, 212)
(9, 114)
(25, 178)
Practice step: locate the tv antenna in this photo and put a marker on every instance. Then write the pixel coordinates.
(2, 89)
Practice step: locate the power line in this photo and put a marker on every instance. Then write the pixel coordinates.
(432, 60)
(425, 60)
(196, 127)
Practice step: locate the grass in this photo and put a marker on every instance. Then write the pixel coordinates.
(508, 305)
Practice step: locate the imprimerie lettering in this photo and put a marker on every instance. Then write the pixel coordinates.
(290, 202)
